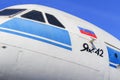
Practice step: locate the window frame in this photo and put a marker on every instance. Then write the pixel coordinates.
(41, 13)
(45, 18)
(3, 13)
(59, 22)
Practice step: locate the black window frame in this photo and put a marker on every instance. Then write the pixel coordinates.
(11, 11)
(53, 20)
(33, 15)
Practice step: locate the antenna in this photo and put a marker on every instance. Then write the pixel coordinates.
(91, 41)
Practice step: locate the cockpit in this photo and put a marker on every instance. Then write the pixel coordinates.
(33, 15)
(37, 23)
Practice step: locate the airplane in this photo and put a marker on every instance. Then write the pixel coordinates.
(42, 43)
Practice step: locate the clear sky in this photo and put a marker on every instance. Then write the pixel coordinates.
(103, 13)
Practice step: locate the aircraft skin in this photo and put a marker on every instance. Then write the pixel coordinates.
(31, 49)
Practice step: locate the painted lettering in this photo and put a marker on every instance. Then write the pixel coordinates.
(97, 51)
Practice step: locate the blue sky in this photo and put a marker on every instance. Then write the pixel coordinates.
(103, 13)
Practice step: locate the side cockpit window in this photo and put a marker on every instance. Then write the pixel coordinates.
(53, 20)
(9, 12)
(34, 15)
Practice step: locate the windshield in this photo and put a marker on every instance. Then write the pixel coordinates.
(8, 12)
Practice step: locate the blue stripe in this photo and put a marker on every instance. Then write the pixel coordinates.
(39, 29)
(32, 37)
(113, 66)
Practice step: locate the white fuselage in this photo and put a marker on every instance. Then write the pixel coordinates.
(33, 50)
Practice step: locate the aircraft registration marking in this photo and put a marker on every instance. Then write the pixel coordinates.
(97, 51)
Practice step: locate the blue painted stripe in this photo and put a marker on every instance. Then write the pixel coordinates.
(113, 66)
(32, 37)
(39, 29)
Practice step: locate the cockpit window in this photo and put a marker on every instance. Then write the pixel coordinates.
(53, 20)
(8, 12)
(34, 15)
